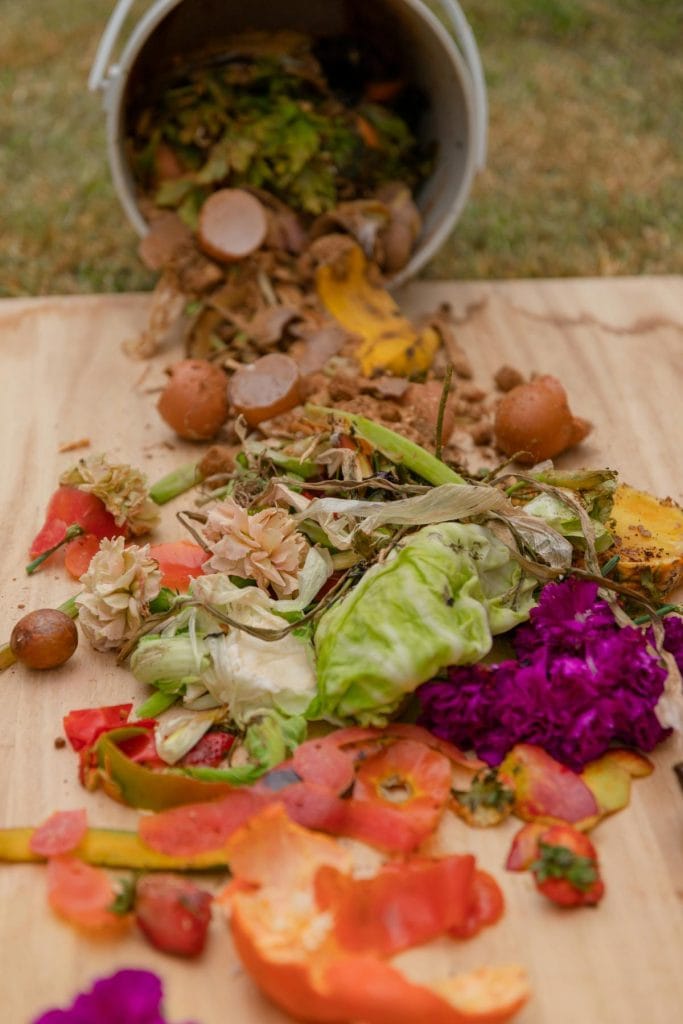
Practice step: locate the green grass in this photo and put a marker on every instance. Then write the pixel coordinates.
(583, 176)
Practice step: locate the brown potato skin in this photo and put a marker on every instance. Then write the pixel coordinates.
(267, 388)
(535, 419)
(195, 402)
(44, 639)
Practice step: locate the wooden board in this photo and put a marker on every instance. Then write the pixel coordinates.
(617, 347)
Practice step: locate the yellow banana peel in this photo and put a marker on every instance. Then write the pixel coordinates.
(388, 341)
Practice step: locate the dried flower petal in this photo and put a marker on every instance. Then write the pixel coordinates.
(265, 547)
(122, 488)
(118, 586)
(127, 997)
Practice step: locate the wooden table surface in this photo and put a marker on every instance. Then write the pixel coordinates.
(617, 345)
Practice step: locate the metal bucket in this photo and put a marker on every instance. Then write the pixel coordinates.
(450, 75)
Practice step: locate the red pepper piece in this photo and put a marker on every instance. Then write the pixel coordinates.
(83, 727)
(61, 833)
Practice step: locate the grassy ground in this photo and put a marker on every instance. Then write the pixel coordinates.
(586, 146)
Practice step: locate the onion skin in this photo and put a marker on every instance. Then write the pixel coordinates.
(44, 639)
(195, 402)
(534, 422)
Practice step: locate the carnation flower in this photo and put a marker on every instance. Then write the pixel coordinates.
(127, 997)
(122, 489)
(265, 547)
(581, 683)
(118, 587)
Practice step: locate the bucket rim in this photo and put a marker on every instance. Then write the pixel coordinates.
(113, 95)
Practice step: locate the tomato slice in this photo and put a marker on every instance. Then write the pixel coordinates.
(180, 562)
(61, 833)
(410, 778)
(69, 506)
(82, 727)
(402, 906)
(79, 553)
(82, 894)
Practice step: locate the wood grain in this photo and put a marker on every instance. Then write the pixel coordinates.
(618, 347)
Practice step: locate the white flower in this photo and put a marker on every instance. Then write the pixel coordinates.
(118, 586)
(265, 547)
(121, 488)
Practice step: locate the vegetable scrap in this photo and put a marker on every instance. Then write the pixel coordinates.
(372, 628)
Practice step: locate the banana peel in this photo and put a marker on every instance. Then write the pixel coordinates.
(388, 341)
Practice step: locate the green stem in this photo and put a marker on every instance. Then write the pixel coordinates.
(442, 411)
(176, 483)
(72, 532)
(156, 704)
(665, 609)
(395, 447)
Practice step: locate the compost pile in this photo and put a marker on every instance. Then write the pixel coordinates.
(265, 115)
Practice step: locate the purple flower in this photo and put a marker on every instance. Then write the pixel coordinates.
(581, 684)
(127, 997)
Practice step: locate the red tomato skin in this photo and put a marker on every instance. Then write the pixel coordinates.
(79, 553)
(69, 506)
(173, 914)
(180, 562)
(82, 727)
(61, 833)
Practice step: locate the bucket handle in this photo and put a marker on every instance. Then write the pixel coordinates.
(451, 9)
(100, 66)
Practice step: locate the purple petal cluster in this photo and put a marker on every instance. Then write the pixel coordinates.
(127, 997)
(580, 683)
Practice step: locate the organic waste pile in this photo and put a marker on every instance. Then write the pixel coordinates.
(363, 632)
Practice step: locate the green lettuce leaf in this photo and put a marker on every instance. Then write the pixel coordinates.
(437, 601)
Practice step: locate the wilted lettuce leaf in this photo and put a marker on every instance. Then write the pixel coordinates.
(438, 601)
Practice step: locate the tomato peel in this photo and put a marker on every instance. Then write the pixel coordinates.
(61, 833)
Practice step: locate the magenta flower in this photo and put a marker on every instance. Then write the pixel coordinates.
(127, 997)
(580, 684)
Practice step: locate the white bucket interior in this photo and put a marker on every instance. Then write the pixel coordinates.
(174, 32)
